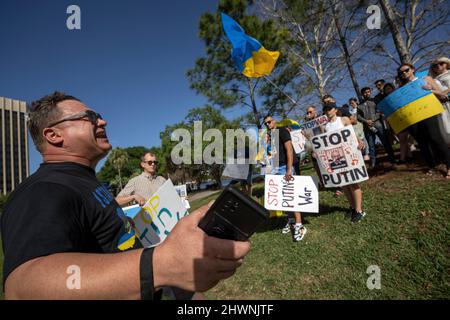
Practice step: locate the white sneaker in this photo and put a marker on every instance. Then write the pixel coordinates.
(299, 232)
(287, 228)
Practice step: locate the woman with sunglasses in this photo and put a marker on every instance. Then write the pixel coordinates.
(440, 72)
(426, 132)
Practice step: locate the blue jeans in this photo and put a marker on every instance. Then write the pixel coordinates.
(371, 136)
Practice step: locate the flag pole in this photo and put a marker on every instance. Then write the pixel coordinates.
(284, 93)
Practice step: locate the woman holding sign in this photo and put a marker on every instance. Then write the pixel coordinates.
(352, 191)
(426, 132)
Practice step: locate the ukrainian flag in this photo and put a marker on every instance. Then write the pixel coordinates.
(288, 123)
(252, 59)
(409, 104)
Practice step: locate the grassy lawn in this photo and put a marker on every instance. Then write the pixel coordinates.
(406, 233)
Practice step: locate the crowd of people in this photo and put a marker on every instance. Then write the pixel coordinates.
(431, 135)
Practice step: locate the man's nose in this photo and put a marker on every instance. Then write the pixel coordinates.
(102, 122)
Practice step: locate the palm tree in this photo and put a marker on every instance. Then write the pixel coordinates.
(119, 159)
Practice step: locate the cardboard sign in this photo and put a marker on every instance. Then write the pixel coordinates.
(182, 192)
(156, 219)
(409, 104)
(340, 161)
(298, 195)
(298, 141)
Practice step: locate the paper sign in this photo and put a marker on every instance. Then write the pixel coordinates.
(159, 215)
(313, 127)
(298, 195)
(298, 141)
(340, 161)
(182, 192)
(236, 171)
(131, 211)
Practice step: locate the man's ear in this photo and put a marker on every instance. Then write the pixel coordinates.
(53, 136)
(140, 163)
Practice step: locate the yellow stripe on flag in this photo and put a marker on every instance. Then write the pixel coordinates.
(287, 123)
(261, 63)
(414, 112)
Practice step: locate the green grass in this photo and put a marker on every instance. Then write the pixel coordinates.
(406, 233)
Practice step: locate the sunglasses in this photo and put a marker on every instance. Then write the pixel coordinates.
(403, 71)
(310, 112)
(150, 162)
(438, 64)
(268, 122)
(91, 116)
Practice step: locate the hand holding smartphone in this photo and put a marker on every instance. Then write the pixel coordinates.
(233, 216)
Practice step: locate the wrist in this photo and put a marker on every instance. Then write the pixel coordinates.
(160, 279)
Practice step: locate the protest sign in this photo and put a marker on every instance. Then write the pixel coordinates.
(236, 171)
(156, 219)
(131, 211)
(313, 127)
(298, 195)
(340, 161)
(409, 104)
(298, 141)
(182, 192)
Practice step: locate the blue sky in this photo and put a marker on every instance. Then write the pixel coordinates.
(128, 61)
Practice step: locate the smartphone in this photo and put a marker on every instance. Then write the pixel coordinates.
(233, 216)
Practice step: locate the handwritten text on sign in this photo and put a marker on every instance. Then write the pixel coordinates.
(298, 195)
(340, 161)
(298, 141)
(159, 215)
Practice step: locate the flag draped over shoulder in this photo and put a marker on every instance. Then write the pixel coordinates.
(251, 58)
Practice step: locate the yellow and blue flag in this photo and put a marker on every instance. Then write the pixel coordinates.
(251, 58)
(288, 123)
(409, 104)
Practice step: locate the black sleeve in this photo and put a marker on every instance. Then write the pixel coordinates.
(284, 135)
(39, 221)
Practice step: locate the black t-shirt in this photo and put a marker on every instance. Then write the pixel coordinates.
(62, 207)
(284, 135)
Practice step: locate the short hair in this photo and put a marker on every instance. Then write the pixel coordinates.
(311, 106)
(353, 99)
(43, 112)
(150, 153)
(389, 85)
(267, 116)
(365, 89)
(405, 64)
(379, 80)
(327, 96)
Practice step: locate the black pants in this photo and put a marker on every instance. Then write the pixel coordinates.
(431, 143)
